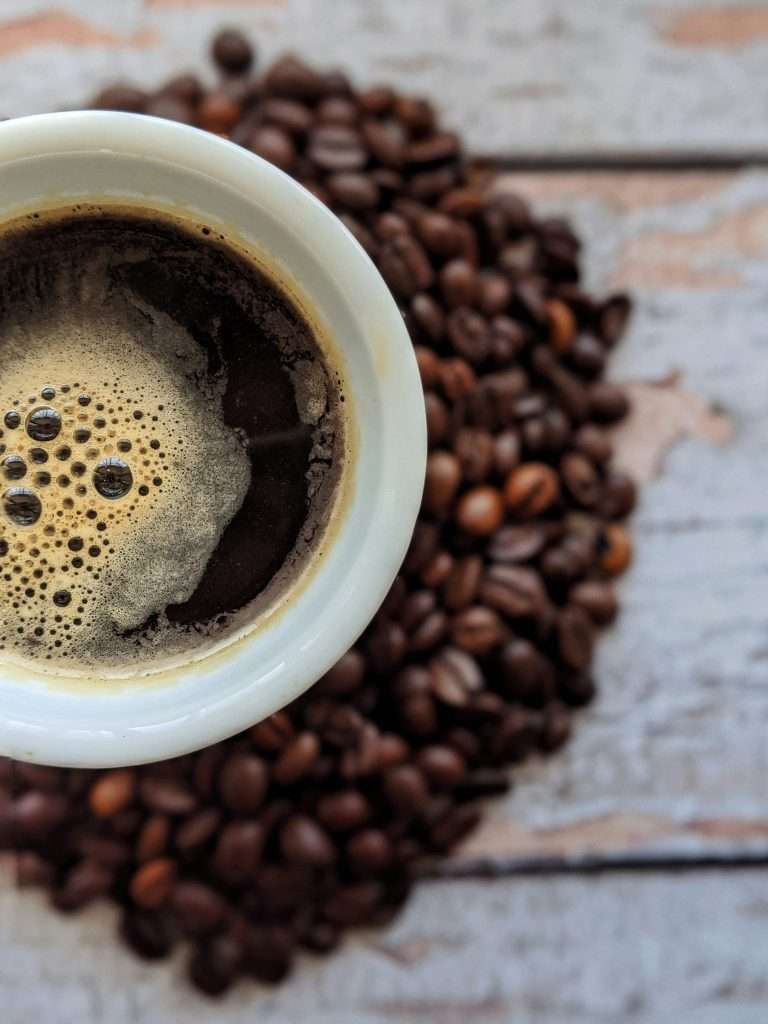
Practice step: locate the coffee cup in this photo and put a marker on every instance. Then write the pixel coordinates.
(131, 716)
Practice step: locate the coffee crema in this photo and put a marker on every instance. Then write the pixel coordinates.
(171, 439)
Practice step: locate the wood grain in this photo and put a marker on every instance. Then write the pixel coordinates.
(525, 77)
(671, 762)
(646, 950)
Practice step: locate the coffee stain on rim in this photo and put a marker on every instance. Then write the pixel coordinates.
(221, 652)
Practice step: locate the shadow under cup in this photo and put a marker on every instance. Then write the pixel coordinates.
(58, 160)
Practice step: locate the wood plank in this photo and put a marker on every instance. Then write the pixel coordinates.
(671, 761)
(527, 77)
(537, 951)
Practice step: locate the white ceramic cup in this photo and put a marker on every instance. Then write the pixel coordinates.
(60, 159)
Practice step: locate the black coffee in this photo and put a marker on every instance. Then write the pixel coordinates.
(171, 438)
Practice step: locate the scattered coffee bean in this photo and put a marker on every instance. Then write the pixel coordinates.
(316, 819)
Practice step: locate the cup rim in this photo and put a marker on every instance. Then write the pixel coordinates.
(27, 733)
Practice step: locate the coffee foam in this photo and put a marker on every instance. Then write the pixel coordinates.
(111, 368)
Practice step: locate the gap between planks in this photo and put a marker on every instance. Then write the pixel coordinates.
(662, 162)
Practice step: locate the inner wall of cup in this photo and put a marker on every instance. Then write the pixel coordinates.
(302, 265)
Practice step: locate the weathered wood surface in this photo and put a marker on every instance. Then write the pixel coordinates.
(515, 75)
(654, 949)
(672, 759)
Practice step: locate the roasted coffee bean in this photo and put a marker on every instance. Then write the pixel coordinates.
(581, 481)
(442, 765)
(353, 191)
(405, 788)
(121, 97)
(527, 675)
(152, 840)
(152, 885)
(427, 361)
(232, 51)
(214, 964)
(575, 637)
(297, 759)
(531, 489)
(316, 819)
(438, 234)
(171, 108)
(517, 544)
(292, 78)
(218, 113)
(475, 451)
(112, 792)
(243, 783)
(441, 483)
(480, 511)
(562, 325)
(516, 592)
(343, 811)
(462, 585)
(612, 318)
(477, 630)
(597, 599)
(405, 266)
(587, 356)
(495, 293)
(615, 550)
(197, 830)
(198, 908)
(149, 934)
(273, 733)
(431, 321)
(274, 144)
(437, 419)
(437, 571)
(238, 852)
(336, 110)
(167, 796)
(469, 335)
(619, 495)
(607, 402)
(289, 115)
(594, 443)
(304, 842)
(457, 379)
(36, 815)
(459, 283)
(368, 852)
(506, 452)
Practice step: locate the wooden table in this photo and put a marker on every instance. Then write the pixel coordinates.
(623, 880)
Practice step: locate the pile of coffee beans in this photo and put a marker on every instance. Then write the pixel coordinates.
(318, 819)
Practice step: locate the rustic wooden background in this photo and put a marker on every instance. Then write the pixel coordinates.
(624, 880)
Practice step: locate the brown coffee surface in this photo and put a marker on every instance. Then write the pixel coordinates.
(170, 438)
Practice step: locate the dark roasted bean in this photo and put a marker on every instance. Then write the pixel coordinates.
(304, 842)
(442, 482)
(315, 819)
(477, 630)
(531, 489)
(405, 266)
(597, 599)
(297, 759)
(243, 783)
(232, 51)
(480, 511)
(469, 334)
(462, 585)
(274, 144)
(238, 852)
(607, 402)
